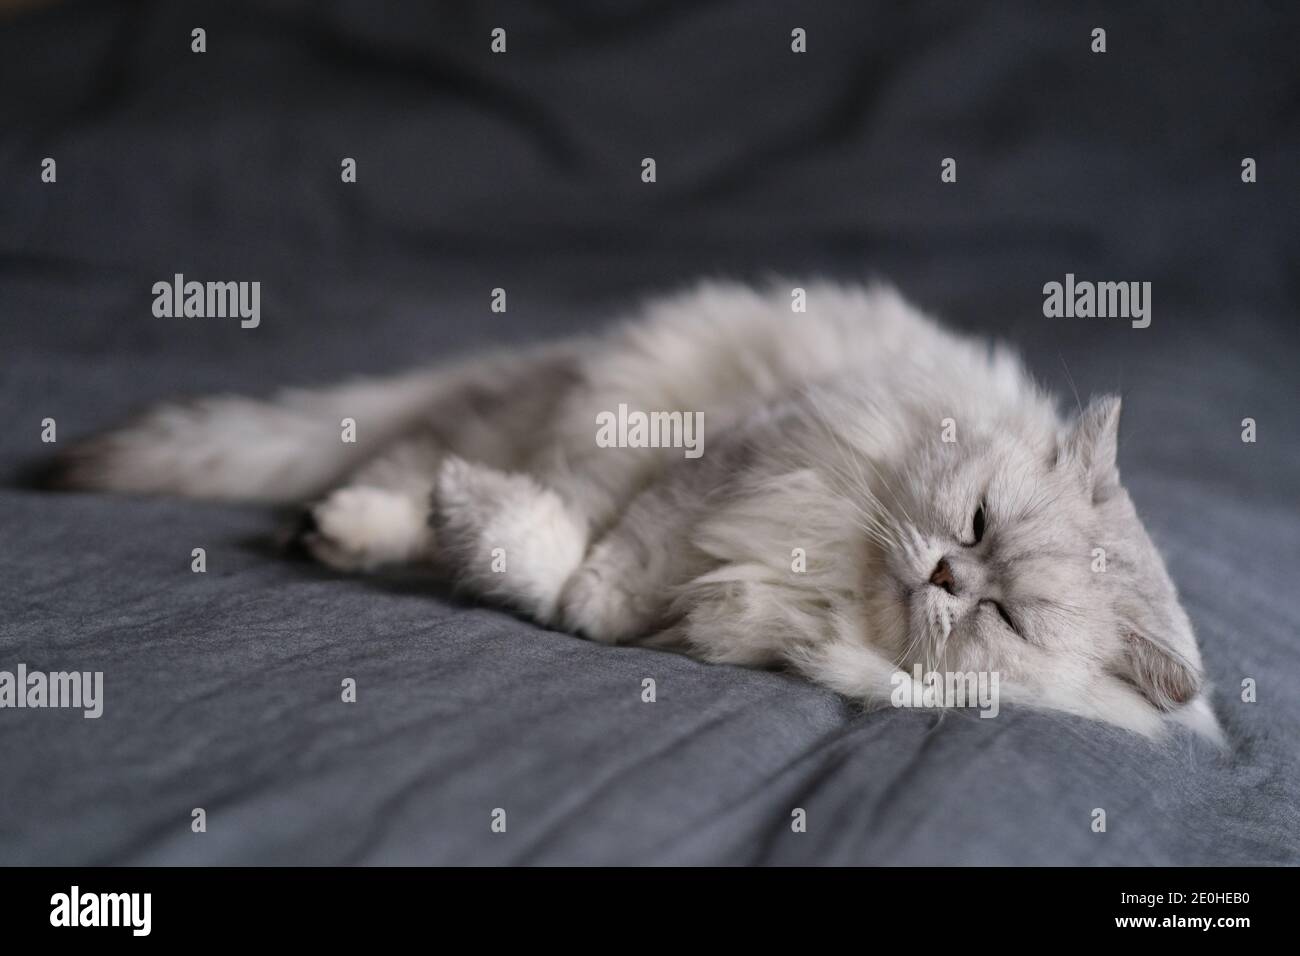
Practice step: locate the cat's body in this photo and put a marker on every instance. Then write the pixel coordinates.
(874, 493)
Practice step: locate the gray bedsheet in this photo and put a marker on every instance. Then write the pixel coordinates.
(522, 171)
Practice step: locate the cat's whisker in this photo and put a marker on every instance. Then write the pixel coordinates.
(856, 460)
(887, 533)
(815, 407)
(881, 479)
(873, 534)
(849, 499)
(913, 638)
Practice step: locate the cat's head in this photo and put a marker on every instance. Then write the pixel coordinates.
(1017, 550)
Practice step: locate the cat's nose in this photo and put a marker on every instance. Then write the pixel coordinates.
(942, 577)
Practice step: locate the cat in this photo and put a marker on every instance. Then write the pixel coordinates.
(878, 494)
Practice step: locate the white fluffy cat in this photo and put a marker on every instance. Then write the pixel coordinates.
(948, 516)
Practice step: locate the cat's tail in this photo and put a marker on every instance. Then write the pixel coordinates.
(289, 447)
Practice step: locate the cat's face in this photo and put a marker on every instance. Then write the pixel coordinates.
(1020, 553)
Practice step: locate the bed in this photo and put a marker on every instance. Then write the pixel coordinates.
(223, 690)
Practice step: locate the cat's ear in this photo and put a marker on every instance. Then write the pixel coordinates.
(1155, 667)
(1090, 444)
(1156, 652)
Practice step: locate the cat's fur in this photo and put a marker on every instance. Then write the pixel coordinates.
(825, 432)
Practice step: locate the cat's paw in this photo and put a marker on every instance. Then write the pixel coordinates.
(361, 528)
(596, 606)
(505, 536)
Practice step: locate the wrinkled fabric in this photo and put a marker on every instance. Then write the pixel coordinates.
(522, 171)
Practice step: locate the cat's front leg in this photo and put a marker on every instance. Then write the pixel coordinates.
(607, 599)
(363, 527)
(504, 537)
(624, 589)
(380, 515)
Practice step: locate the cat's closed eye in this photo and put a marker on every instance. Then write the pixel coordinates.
(1006, 618)
(977, 527)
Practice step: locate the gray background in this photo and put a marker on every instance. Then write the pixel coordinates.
(522, 171)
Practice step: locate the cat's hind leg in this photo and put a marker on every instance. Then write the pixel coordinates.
(495, 411)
